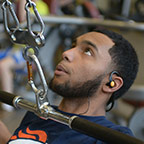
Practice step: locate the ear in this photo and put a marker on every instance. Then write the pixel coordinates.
(118, 83)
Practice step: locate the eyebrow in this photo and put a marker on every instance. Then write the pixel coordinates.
(85, 42)
(91, 44)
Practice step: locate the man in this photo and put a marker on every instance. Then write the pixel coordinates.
(4, 133)
(99, 68)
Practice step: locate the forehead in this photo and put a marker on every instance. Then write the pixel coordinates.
(99, 39)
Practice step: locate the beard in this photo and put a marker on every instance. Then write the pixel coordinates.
(79, 90)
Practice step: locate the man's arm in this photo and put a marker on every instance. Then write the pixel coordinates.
(4, 133)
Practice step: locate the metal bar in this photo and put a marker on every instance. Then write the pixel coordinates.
(74, 122)
(92, 21)
(19, 102)
(81, 125)
(47, 112)
(126, 8)
(52, 114)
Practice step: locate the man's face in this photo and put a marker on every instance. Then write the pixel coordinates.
(83, 67)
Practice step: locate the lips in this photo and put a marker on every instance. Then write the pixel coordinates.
(60, 70)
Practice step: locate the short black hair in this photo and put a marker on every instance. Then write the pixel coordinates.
(125, 61)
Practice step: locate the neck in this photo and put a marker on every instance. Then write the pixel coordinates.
(92, 106)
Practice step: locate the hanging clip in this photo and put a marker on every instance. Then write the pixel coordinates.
(23, 36)
(39, 38)
(7, 6)
(29, 54)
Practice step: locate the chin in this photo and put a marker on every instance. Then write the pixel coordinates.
(55, 81)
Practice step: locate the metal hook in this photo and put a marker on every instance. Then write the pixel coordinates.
(23, 36)
(41, 94)
(29, 37)
(39, 37)
(8, 5)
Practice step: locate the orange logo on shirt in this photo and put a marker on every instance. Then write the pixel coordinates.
(30, 134)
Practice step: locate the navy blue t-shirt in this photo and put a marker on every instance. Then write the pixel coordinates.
(34, 130)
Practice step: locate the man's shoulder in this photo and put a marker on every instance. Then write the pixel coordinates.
(101, 120)
(122, 129)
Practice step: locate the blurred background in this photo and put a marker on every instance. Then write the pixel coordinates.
(64, 20)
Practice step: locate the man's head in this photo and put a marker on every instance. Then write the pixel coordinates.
(85, 68)
(125, 60)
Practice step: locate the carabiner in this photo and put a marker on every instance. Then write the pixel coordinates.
(39, 38)
(8, 5)
(41, 94)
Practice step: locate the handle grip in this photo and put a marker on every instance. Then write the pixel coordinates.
(102, 133)
(7, 98)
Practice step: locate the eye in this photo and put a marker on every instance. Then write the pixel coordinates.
(73, 45)
(88, 51)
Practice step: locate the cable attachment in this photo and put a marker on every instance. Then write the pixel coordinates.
(7, 6)
(22, 35)
(39, 38)
(29, 54)
(29, 50)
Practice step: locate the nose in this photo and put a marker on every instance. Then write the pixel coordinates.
(68, 55)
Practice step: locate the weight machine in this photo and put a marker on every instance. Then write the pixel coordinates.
(33, 41)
